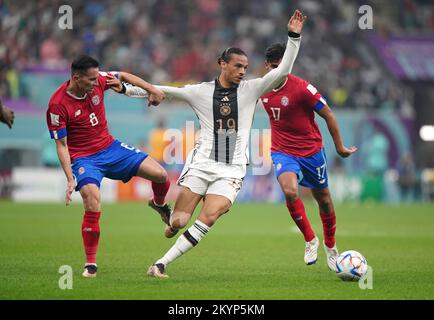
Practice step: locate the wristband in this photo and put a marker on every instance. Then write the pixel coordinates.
(124, 88)
(293, 34)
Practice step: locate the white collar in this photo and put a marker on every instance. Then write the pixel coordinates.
(75, 97)
(277, 89)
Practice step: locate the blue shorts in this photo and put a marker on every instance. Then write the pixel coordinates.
(118, 162)
(311, 171)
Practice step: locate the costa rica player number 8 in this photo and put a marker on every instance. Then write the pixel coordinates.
(93, 119)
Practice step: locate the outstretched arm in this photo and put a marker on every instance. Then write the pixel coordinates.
(136, 90)
(183, 94)
(276, 76)
(327, 114)
(155, 96)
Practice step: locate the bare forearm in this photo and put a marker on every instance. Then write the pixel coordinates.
(333, 128)
(65, 161)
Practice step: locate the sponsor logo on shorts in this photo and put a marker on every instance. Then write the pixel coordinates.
(278, 166)
(81, 170)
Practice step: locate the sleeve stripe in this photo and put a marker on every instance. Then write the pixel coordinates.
(58, 134)
(320, 104)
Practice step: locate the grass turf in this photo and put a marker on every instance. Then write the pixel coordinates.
(254, 252)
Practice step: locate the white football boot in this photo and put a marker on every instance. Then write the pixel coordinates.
(90, 271)
(157, 271)
(311, 251)
(332, 256)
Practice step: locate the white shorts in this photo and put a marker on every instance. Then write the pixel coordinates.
(212, 178)
(226, 187)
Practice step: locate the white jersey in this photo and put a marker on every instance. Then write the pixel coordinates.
(226, 114)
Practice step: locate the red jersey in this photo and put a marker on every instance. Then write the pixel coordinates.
(82, 121)
(292, 119)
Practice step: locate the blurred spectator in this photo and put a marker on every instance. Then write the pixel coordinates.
(179, 41)
(377, 154)
(407, 178)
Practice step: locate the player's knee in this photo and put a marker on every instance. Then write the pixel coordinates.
(161, 175)
(291, 193)
(90, 200)
(179, 219)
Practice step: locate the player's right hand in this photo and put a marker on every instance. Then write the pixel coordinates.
(296, 22)
(69, 189)
(346, 152)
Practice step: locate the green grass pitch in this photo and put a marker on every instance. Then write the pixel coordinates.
(253, 252)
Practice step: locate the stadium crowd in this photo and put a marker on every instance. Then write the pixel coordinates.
(178, 41)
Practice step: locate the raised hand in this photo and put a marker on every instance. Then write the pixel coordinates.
(296, 22)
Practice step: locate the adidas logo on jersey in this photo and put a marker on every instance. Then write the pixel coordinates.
(225, 99)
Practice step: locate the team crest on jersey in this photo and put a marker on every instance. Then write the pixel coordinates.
(284, 101)
(96, 100)
(225, 109)
(81, 170)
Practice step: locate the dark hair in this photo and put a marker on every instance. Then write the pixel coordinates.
(274, 52)
(82, 63)
(226, 55)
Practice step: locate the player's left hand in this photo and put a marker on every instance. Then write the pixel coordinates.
(345, 152)
(296, 22)
(114, 83)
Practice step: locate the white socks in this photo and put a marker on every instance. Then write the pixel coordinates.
(185, 242)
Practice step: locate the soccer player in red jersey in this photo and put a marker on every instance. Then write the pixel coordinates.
(88, 153)
(298, 155)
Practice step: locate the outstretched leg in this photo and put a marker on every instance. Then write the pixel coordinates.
(213, 207)
(153, 171)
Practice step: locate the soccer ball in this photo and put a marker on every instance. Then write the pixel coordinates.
(351, 266)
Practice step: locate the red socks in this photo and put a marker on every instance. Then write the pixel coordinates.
(329, 227)
(90, 232)
(298, 214)
(160, 191)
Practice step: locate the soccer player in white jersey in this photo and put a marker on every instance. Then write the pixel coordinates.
(215, 168)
